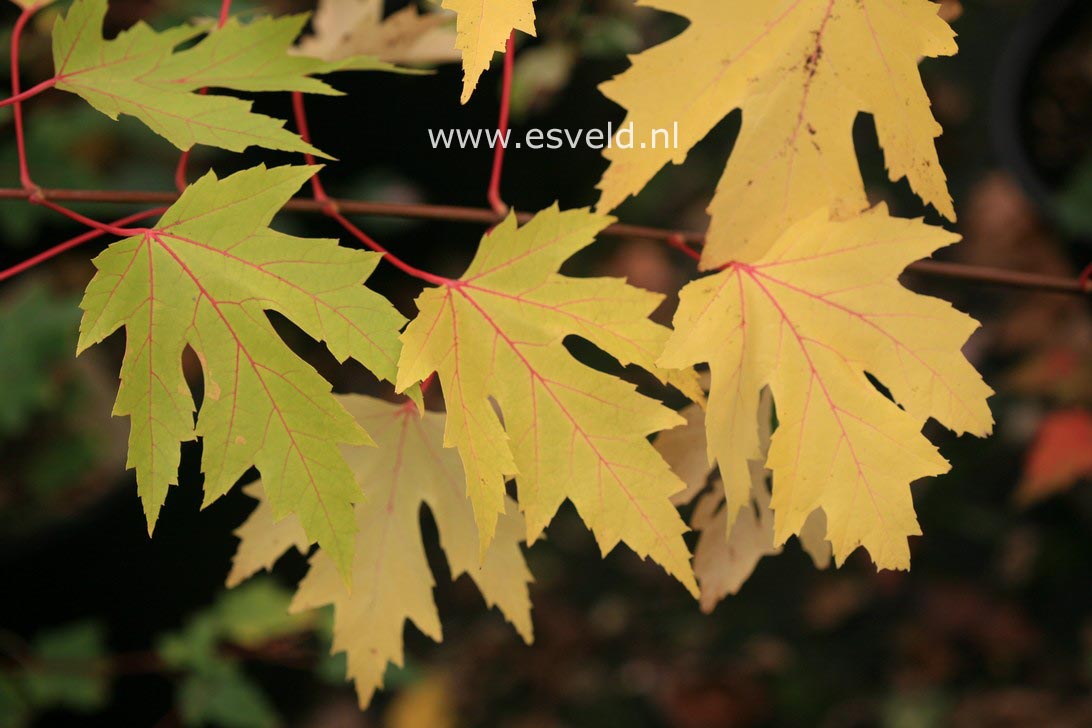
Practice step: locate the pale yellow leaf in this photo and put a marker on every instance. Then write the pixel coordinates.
(726, 555)
(263, 539)
(809, 319)
(801, 71)
(391, 581)
(483, 28)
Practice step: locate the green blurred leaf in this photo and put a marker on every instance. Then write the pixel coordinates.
(249, 615)
(1074, 206)
(221, 694)
(65, 670)
(49, 475)
(14, 711)
(333, 669)
(609, 36)
(258, 612)
(192, 647)
(37, 331)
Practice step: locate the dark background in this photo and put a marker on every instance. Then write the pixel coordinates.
(991, 627)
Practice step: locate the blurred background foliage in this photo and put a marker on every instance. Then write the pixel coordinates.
(100, 625)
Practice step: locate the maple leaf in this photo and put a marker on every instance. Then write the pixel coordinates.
(812, 318)
(726, 554)
(483, 28)
(1060, 455)
(565, 431)
(344, 28)
(391, 580)
(801, 71)
(204, 277)
(140, 73)
(263, 539)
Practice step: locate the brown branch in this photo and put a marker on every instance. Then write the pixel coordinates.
(450, 213)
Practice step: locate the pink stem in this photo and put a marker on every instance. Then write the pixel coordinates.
(74, 242)
(494, 195)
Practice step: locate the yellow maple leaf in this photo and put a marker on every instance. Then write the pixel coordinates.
(811, 318)
(263, 539)
(483, 28)
(801, 71)
(726, 554)
(565, 431)
(390, 578)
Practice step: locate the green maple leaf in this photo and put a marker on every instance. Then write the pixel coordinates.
(140, 73)
(204, 277)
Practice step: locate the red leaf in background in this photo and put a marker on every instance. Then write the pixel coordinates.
(1060, 455)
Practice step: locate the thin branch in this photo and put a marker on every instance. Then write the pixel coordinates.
(450, 213)
(29, 93)
(329, 207)
(74, 242)
(121, 232)
(494, 194)
(17, 97)
(299, 111)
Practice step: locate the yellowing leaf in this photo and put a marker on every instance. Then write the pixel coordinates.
(139, 73)
(204, 277)
(726, 556)
(391, 580)
(801, 71)
(345, 28)
(483, 28)
(809, 319)
(564, 431)
(263, 539)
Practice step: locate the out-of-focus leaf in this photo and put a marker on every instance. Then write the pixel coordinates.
(257, 613)
(429, 702)
(345, 28)
(14, 711)
(1062, 373)
(250, 615)
(221, 694)
(37, 330)
(193, 647)
(64, 671)
(609, 36)
(1074, 205)
(542, 71)
(1060, 456)
(727, 553)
